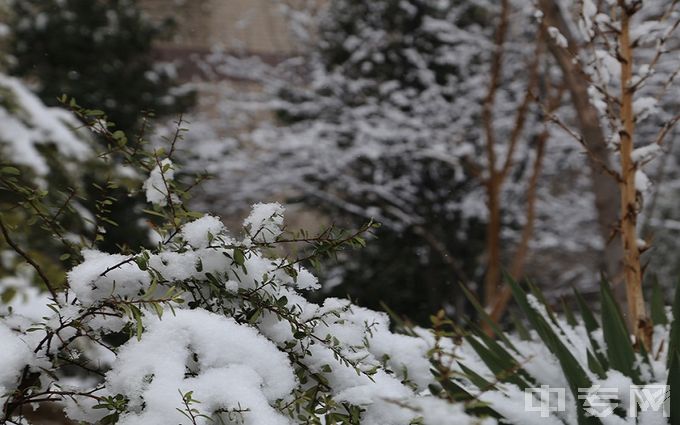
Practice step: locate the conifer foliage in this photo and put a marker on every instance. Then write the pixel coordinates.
(96, 51)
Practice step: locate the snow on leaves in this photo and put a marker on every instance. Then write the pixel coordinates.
(217, 331)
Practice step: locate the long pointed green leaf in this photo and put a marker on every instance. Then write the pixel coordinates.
(591, 326)
(476, 379)
(674, 384)
(588, 318)
(576, 376)
(620, 350)
(485, 317)
(658, 306)
(674, 340)
(511, 366)
(595, 365)
(521, 330)
(571, 320)
(455, 391)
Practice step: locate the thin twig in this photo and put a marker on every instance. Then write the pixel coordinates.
(29, 260)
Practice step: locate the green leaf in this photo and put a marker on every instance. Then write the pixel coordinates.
(137, 315)
(152, 212)
(521, 330)
(486, 318)
(591, 327)
(620, 350)
(455, 391)
(674, 384)
(10, 170)
(576, 376)
(595, 366)
(512, 372)
(658, 308)
(586, 314)
(239, 257)
(674, 339)
(8, 294)
(476, 379)
(571, 320)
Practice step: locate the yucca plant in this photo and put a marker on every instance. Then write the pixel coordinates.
(562, 369)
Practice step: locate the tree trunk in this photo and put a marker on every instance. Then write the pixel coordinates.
(493, 242)
(629, 205)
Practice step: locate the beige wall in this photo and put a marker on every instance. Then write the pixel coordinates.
(254, 26)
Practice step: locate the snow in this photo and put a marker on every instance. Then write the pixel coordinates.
(230, 366)
(642, 182)
(156, 186)
(265, 222)
(645, 106)
(305, 280)
(124, 278)
(211, 344)
(558, 37)
(646, 153)
(28, 302)
(585, 23)
(199, 233)
(27, 124)
(14, 356)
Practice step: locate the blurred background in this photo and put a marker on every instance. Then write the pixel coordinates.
(345, 111)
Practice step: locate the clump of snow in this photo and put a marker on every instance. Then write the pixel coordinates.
(265, 222)
(587, 16)
(558, 37)
(14, 356)
(157, 185)
(27, 301)
(645, 154)
(199, 233)
(27, 124)
(226, 365)
(642, 182)
(305, 280)
(644, 107)
(101, 275)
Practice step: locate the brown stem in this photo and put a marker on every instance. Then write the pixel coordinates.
(522, 250)
(497, 177)
(517, 268)
(629, 204)
(494, 182)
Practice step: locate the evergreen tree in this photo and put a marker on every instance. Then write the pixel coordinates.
(96, 51)
(390, 121)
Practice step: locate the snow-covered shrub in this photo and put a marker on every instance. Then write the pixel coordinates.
(594, 365)
(43, 163)
(56, 195)
(210, 327)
